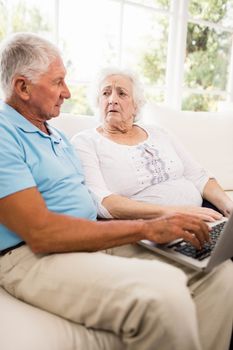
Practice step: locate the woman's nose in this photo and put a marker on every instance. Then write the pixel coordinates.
(113, 98)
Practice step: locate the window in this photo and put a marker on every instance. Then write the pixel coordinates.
(208, 54)
(182, 49)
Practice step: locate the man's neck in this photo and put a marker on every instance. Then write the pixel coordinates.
(32, 118)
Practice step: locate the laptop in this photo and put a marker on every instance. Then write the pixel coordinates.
(212, 254)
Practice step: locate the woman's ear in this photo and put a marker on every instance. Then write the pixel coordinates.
(22, 87)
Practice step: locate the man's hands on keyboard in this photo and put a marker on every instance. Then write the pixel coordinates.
(171, 227)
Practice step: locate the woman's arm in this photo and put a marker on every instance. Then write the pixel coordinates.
(216, 195)
(124, 208)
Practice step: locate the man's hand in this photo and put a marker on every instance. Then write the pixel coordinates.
(171, 227)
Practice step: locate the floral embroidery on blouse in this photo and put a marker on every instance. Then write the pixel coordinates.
(153, 163)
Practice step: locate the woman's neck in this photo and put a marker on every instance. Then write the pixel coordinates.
(117, 128)
(123, 135)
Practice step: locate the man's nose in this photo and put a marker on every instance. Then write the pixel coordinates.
(66, 91)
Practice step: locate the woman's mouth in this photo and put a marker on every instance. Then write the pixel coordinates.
(112, 111)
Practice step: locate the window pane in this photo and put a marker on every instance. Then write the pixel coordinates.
(29, 16)
(89, 36)
(208, 57)
(112, 45)
(220, 11)
(198, 102)
(145, 45)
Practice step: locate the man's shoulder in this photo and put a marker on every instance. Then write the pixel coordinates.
(7, 127)
(3, 117)
(5, 114)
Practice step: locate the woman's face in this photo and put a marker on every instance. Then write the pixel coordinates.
(116, 100)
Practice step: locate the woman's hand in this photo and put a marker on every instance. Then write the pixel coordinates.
(216, 195)
(227, 207)
(171, 227)
(202, 213)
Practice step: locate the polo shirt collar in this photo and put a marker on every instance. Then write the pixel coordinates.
(19, 121)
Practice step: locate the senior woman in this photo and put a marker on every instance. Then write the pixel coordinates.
(138, 171)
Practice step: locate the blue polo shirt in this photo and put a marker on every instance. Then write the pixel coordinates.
(31, 158)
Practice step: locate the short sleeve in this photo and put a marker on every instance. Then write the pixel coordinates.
(15, 175)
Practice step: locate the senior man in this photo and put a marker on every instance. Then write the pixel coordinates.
(56, 256)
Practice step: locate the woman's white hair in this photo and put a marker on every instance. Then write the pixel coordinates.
(138, 91)
(24, 54)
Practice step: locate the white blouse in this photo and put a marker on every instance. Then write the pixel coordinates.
(158, 170)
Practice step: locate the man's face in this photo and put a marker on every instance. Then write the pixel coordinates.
(49, 92)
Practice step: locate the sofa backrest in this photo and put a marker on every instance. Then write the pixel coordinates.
(208, 136)
(71, 124)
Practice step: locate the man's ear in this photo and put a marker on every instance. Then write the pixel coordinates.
(22, 87)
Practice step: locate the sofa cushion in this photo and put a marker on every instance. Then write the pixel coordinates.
(207, 135)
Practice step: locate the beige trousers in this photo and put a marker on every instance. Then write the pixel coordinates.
(149, 303)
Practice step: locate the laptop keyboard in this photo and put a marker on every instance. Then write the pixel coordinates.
(188, 249)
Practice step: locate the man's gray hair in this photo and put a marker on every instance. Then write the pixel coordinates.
(24, 54)
(138, 91)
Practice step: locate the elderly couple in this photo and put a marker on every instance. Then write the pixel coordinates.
(56, 256)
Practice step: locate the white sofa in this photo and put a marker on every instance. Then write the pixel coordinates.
(208, 136)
